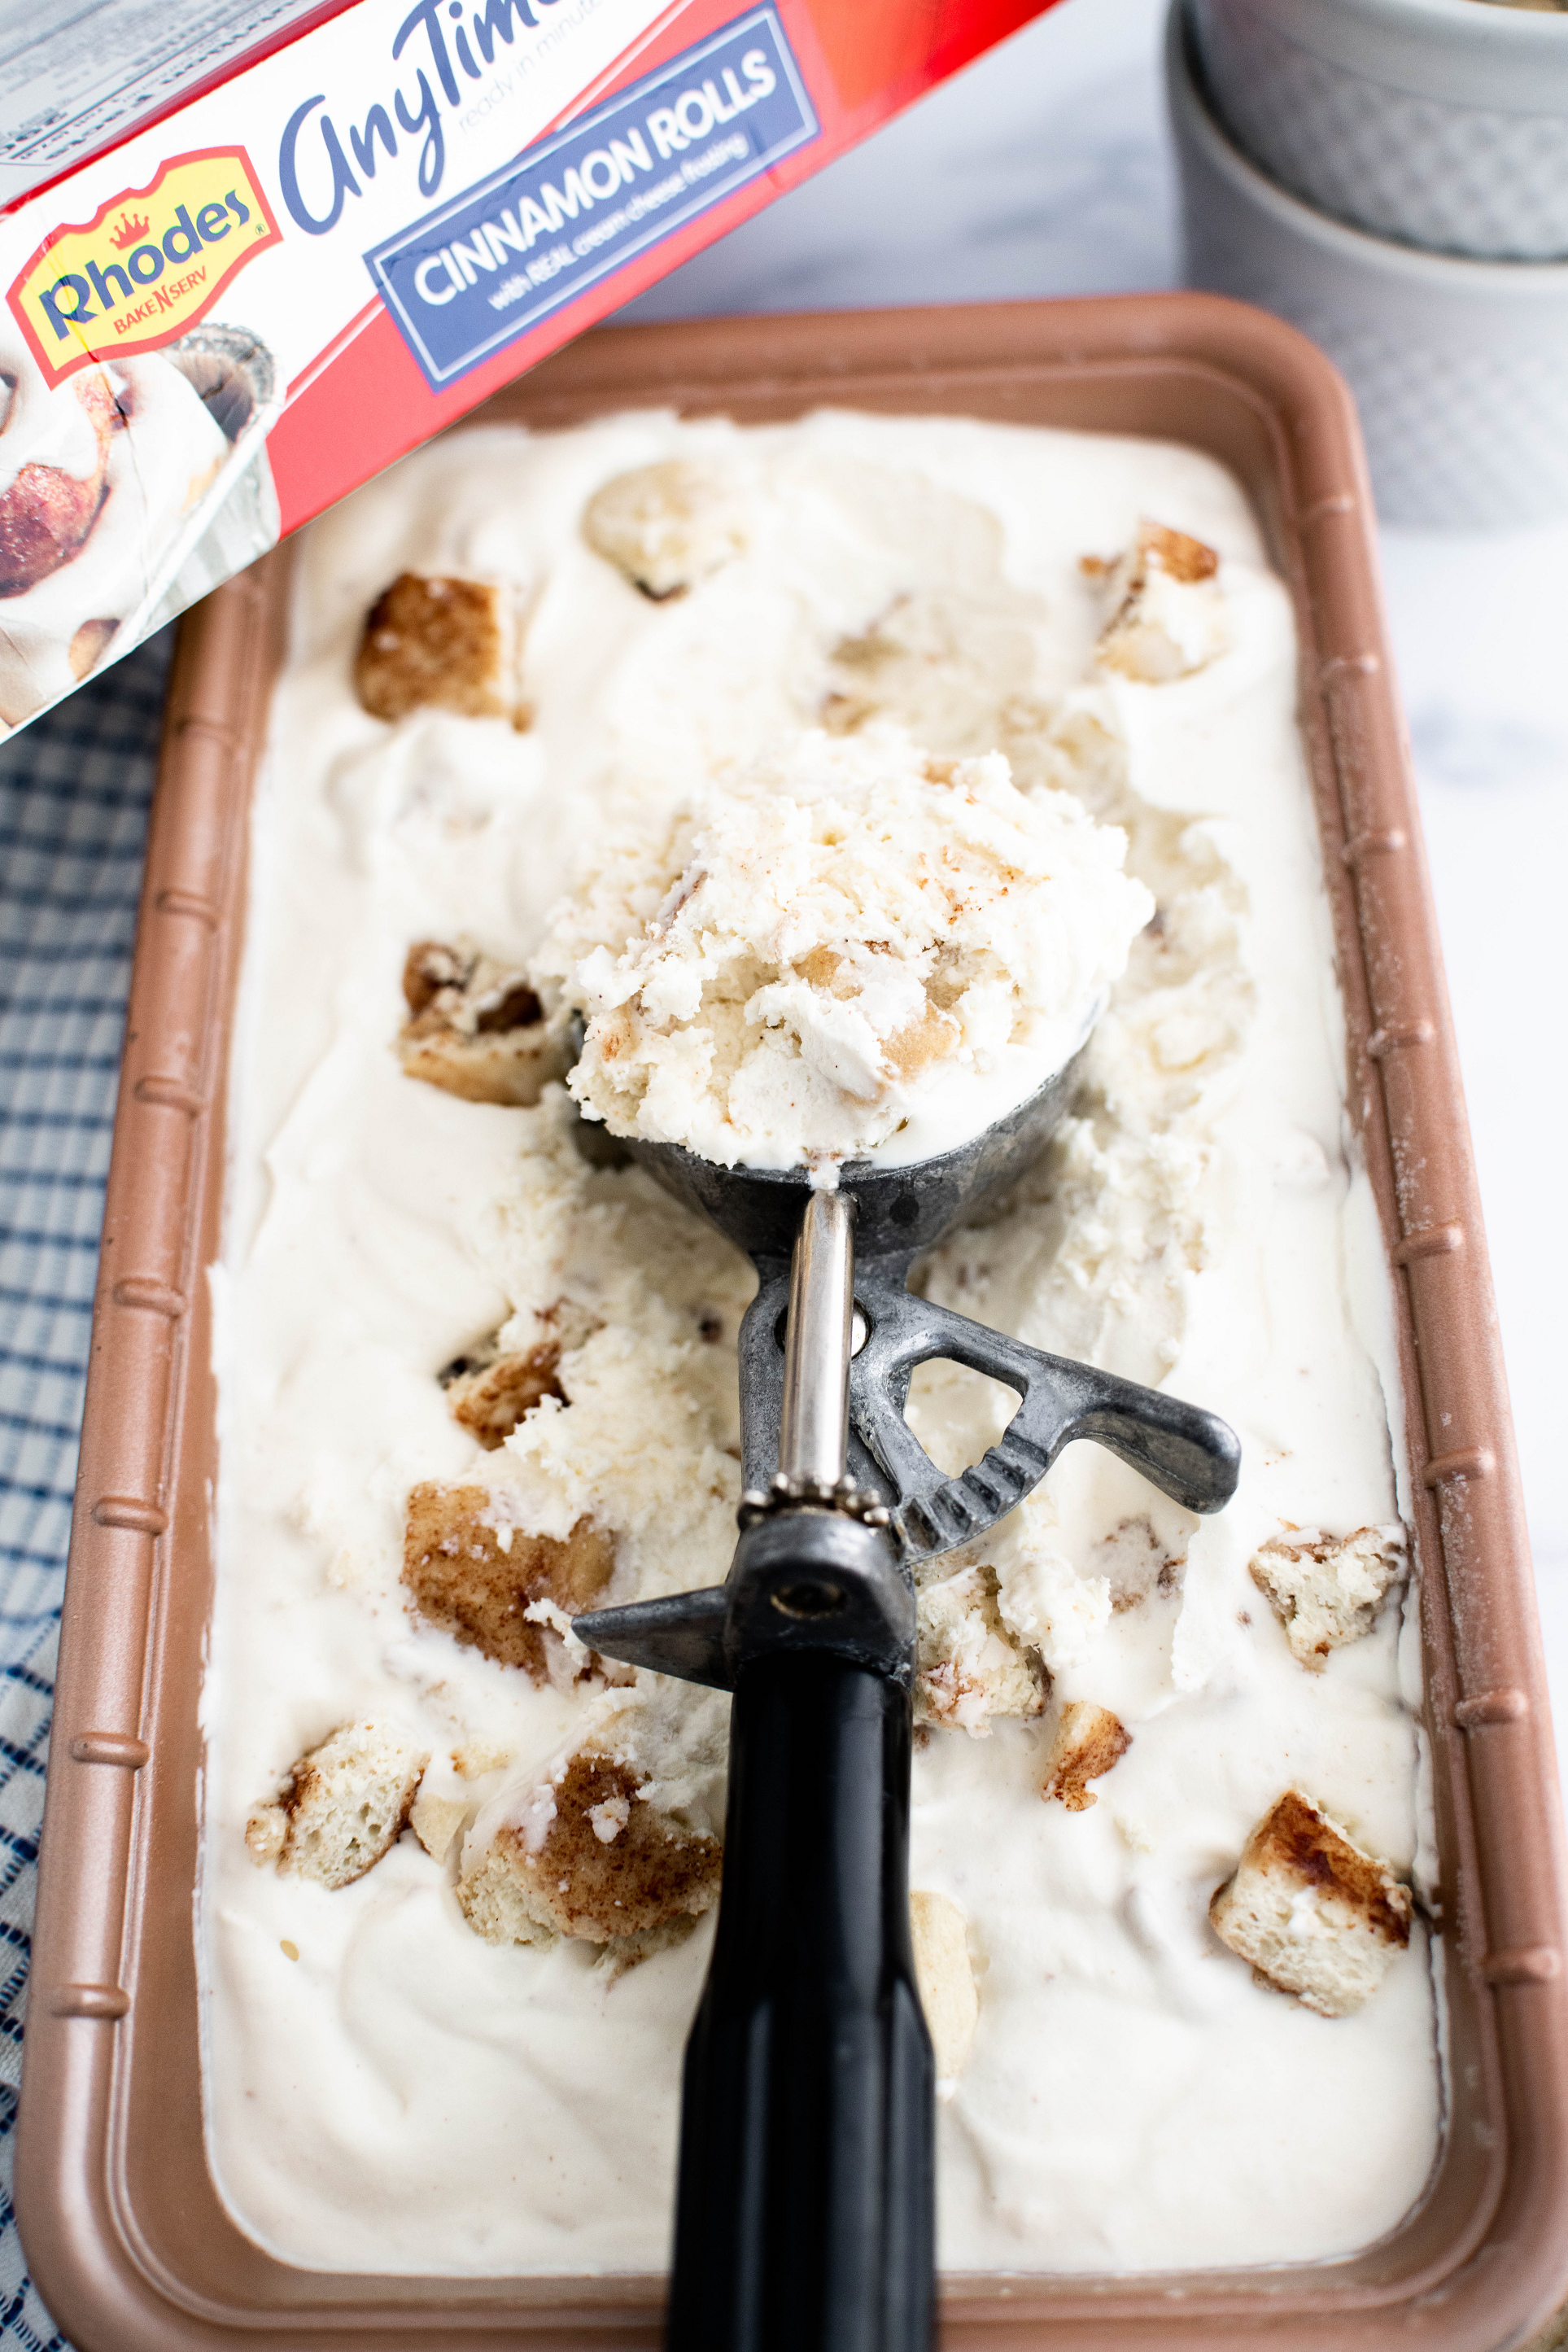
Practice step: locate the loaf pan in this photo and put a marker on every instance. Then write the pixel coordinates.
(128, 2239)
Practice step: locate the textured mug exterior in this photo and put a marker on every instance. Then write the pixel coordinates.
(1459, 368)
(1442, 123)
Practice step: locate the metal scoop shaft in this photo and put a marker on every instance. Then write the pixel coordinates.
(814, 1416)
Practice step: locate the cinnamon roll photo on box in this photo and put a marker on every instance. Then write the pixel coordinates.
(754, 741)
(253, 298)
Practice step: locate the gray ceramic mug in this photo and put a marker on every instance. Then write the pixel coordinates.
(1459, 367)
(1442, 123)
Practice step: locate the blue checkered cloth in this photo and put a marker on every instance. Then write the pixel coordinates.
(74, 794)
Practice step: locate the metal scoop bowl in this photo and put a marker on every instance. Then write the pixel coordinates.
(806, 2198)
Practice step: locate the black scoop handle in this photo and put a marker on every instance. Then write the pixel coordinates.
(805, 2212)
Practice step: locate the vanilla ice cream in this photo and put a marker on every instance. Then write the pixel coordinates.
(471, 1370)
(854, 950)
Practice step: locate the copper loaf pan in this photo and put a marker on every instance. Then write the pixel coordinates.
(129, 2241)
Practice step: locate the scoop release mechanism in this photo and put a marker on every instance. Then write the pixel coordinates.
(862, 1242)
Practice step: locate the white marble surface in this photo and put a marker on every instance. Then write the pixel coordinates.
(1045, 169)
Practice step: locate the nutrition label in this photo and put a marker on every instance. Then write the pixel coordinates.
(74, 74)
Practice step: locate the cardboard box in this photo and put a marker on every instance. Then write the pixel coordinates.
(345, 238)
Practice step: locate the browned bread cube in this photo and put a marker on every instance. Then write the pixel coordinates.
(967, 1667)
(430, 640)
(1327, 1589)
(435, 1822)
(1175, 553)
(490, 1394)
(666, 526)
(341, 1807)
(474, 1026)
(946, 1979)
(476, 1578)
(1087, 1742)
(1166, 615)
(1315, 1915)
(1136, 1564)
(594, 1859)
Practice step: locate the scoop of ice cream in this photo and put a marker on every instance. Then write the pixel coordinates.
(854, 950)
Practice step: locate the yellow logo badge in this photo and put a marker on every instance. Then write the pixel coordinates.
(148, 265)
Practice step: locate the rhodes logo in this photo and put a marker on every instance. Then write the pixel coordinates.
(150, 263)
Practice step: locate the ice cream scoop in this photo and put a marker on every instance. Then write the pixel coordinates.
(805, 2205)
